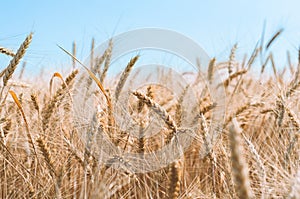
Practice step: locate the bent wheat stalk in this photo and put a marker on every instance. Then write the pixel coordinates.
(30, 140)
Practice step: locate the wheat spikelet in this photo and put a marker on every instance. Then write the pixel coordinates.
(50, 164)
(279, 110)
(276, 35)
(239, 166)
(7, 51)
(293, 118)
(125, 75)
(10, 69)
(210, 71)
(231, 58)
(46, 153)
(95, 69)
(207, 140)
(233, 76)
(179, 110)
(107, 61)
(31, 191)
(237, 112)
(78, 157)
(174, 180)
(142, 123)
(207, 108)
(99, 61)
(296, 123)
(47, 112)
(70, 78)
(292, 89)
(36, 106)
(2, 72)
(260, 164)
(149, 94)
(49, 109)
(141, 139)
(74, 54)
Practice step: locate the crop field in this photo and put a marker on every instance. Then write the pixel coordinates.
(51, 143)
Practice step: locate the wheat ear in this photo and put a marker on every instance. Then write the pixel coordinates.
(125, 75)
(160, 111)
(210, 71)
(276, 35)
(239, 165)
(232, 76)
(107, 61)
(231, 58)
(174, 180)
(10, 69)
(34, 100)
(260, 165)
(99, 61)
(74, 54)
(7, 51)
(50, 164)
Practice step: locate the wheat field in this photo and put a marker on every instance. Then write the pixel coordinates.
(45, 152)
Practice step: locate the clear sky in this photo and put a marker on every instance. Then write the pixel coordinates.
(216, 25)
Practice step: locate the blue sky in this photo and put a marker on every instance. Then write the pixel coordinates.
(215, 25)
